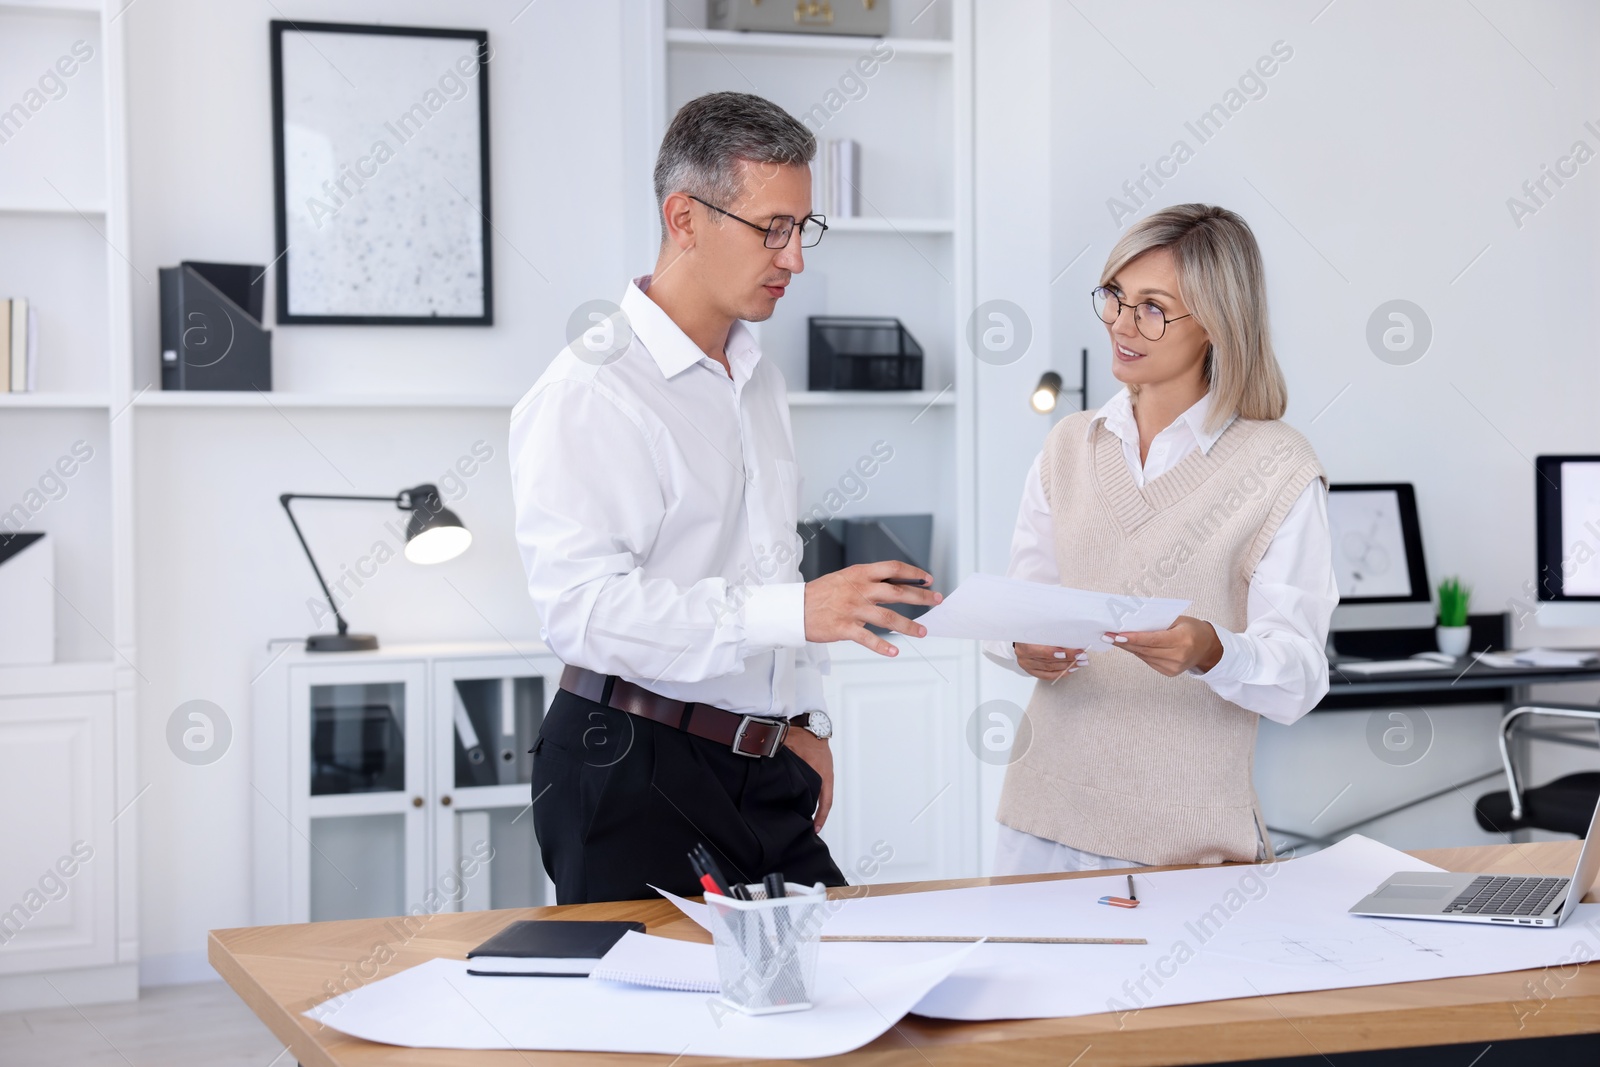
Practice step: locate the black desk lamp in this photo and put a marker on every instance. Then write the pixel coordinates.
(433, 535)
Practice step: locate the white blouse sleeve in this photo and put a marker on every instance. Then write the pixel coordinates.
(1278, 668)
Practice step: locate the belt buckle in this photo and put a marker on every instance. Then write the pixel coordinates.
(744, 724)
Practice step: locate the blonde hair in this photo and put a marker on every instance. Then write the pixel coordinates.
(1221, 278)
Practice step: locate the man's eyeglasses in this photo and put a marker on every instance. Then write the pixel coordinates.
(781, 228)
(1148, 319)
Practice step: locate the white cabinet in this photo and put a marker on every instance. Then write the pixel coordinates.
(397, 782)
(58, 879)
(903, 776)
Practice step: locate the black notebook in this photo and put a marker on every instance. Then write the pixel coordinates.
(548, 948)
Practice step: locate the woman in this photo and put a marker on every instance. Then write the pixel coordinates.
(1186, 485)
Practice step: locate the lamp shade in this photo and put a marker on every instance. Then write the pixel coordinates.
(434, 533)
(1046, 392)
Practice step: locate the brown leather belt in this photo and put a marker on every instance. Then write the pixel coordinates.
(747, 735)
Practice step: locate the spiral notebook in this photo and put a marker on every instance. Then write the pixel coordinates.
(660, 963)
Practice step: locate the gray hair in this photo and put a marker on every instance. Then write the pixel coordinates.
(711, 134)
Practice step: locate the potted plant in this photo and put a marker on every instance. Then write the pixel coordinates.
(1453, 633)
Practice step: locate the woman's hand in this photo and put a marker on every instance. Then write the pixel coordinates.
(1049, 662)
(1187, 643)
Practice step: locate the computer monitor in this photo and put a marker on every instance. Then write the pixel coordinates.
(1377, 557)
(1567, 519)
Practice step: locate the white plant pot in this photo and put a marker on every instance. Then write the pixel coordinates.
(1453, 640)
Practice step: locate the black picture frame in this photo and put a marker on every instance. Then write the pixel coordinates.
(1416, 567)
(1551, 553)
(285, 260)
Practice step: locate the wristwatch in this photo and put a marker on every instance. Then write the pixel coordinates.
(815, 721)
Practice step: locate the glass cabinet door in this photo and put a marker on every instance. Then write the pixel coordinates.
(487, 714)
(360, 758)
(358, 738)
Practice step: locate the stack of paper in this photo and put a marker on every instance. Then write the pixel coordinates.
(1539, 657)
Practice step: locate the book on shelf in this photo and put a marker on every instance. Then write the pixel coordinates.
(841, 179)
(19, 345)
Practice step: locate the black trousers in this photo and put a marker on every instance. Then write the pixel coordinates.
(618, 802)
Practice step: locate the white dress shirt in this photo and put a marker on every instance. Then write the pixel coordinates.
(656, 503)
(1277, 667)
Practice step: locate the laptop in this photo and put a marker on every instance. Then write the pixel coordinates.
(1508, 899)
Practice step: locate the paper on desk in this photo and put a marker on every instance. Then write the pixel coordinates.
(438, 1005)
(1539, 657)
(698, 912)
(988, 608)
(1214, 933)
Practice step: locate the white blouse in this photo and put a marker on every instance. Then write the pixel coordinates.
(1277, 667)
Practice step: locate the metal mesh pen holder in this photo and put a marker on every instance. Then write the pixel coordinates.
(767, 949)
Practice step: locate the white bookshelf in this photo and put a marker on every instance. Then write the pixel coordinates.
(693, 37)
(908, 254)
(48, 400)
(67, 729)
(152, 398)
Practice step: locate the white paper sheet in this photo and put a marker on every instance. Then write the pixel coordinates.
(988, 608)
(438, 1005)
(698, 912)
(1215, 933)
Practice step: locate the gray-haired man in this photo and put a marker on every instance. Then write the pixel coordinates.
(656, 492)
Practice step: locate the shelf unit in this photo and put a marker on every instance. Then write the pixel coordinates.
(910, 255)
(155, 399)
(67, 730)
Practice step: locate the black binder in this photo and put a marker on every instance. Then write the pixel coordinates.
(211, 333)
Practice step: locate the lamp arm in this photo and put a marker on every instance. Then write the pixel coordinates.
(284, 498)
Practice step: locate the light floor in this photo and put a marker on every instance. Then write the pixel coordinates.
(204, 1025)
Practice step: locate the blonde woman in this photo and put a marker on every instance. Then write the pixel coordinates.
(1185, 484)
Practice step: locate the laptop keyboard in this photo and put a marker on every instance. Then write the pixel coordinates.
(1507, 895)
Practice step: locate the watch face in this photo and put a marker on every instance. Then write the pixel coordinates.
(819, 723)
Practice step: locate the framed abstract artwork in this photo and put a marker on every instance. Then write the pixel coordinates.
(381, 151)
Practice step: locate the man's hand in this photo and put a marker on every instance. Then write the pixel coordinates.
(1187, 643)
(1049, 662)
(839, 605)
(815, 751)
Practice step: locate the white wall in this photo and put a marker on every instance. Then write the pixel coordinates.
(219, 572)
(1376, 166)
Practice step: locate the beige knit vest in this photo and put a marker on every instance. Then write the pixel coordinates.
(1122, 760)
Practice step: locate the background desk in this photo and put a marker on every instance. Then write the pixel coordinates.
(280, 971)
(1465, 682)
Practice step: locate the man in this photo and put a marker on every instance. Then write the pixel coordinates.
(656, 494)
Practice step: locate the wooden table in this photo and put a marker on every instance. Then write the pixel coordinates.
(281, 971)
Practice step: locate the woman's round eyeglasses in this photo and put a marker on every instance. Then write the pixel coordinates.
(1148, 319)
(778, 231)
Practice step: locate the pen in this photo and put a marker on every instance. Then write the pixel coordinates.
(1130, 889)
(774, 884)
(706, 868)
(703, 876)
(906, 581)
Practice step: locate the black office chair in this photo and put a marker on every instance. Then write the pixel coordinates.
(1564, 806)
